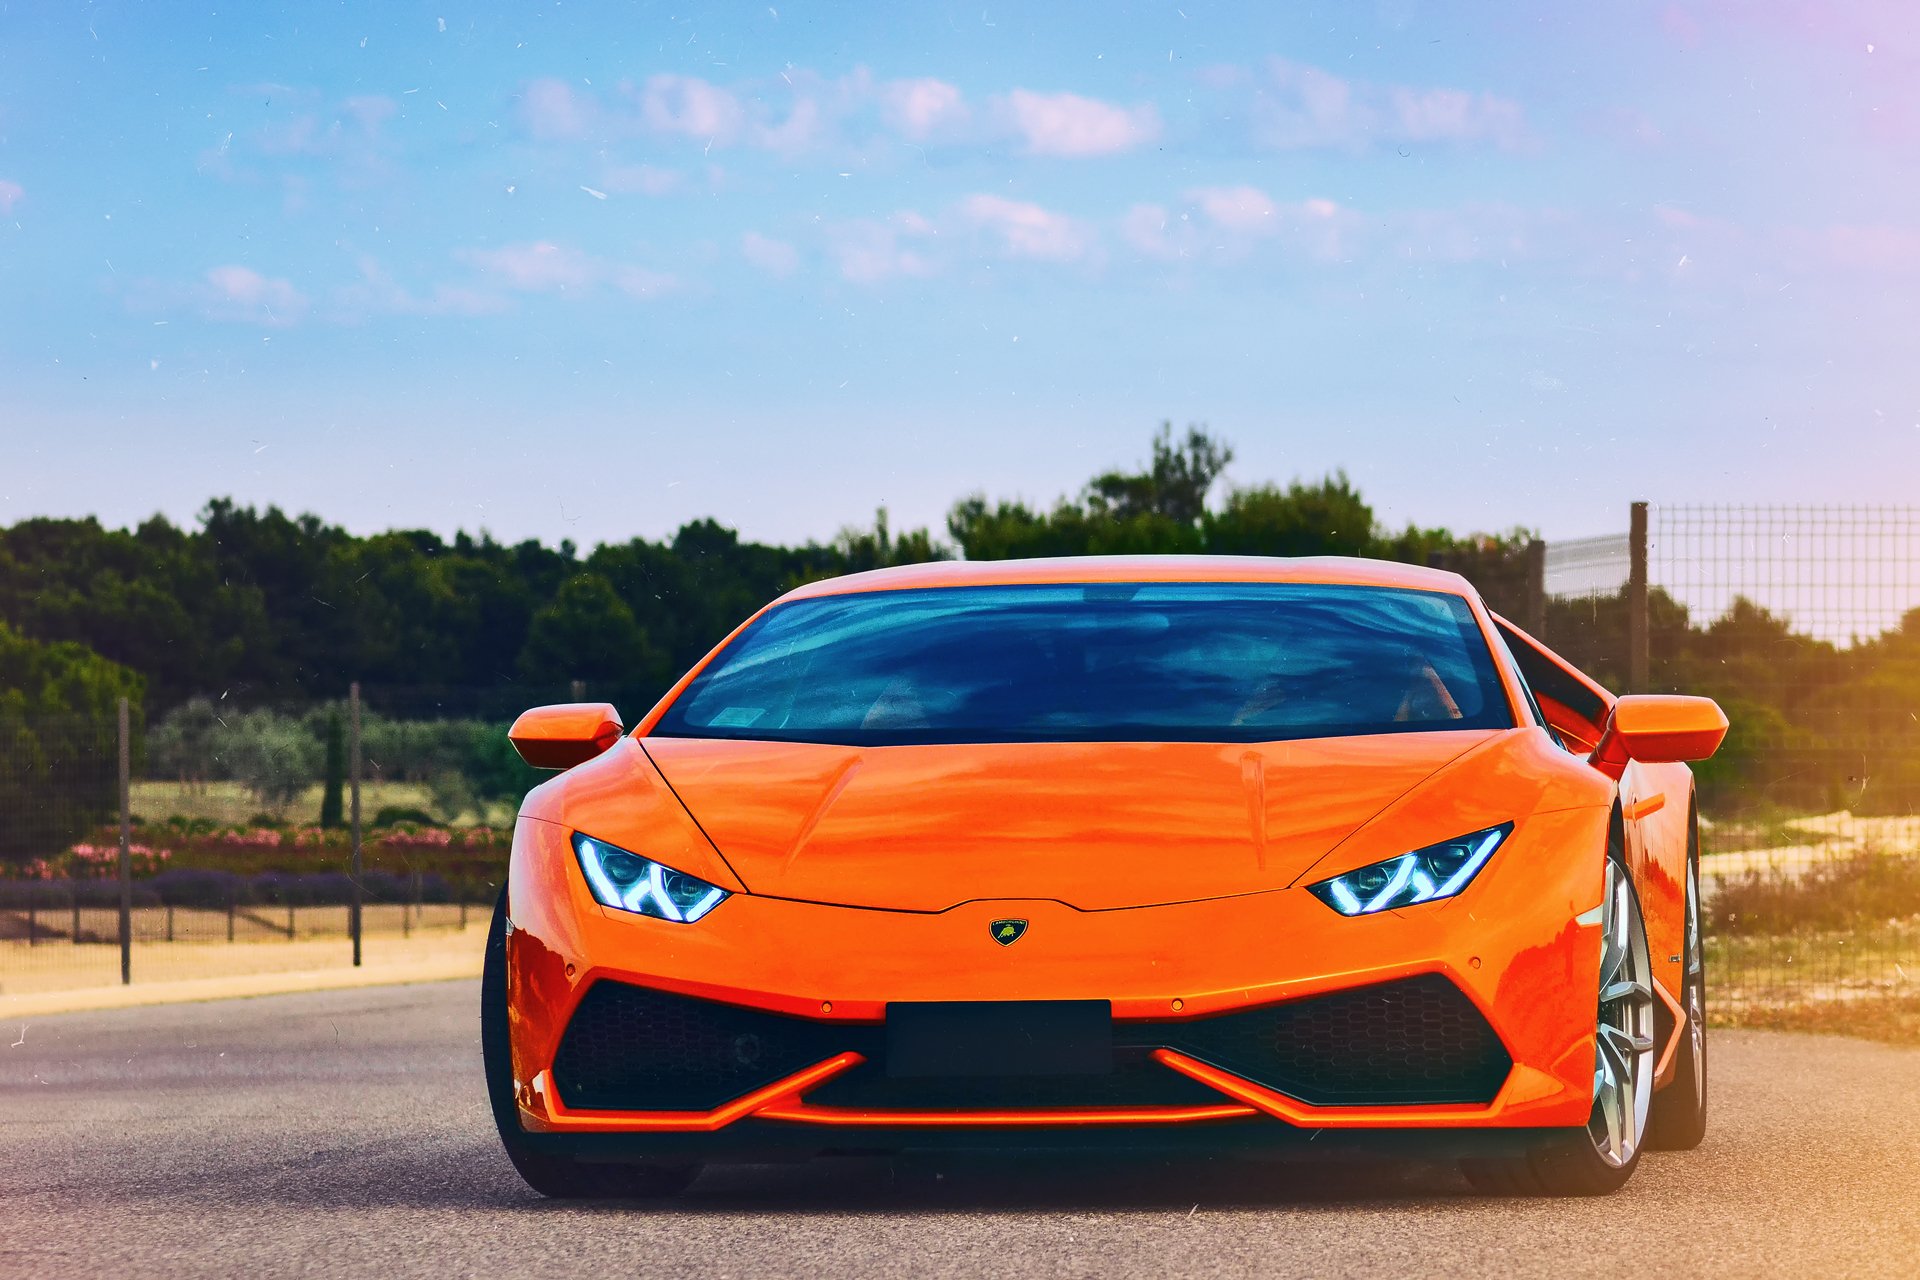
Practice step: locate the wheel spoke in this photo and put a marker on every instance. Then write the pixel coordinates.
(1611, 962)
(1613, 948)
(1629, 1117)
(1637, 993)
(1615, 1120)
(1619, 1065)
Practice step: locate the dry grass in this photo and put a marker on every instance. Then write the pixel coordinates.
(1892, 1019)
(233, 804)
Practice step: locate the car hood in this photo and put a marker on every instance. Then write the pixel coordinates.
(1097, 826)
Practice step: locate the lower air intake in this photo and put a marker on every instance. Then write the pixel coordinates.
(634, 1049)
(1414, 1041)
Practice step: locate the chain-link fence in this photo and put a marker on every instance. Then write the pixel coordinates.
(1805, 623)
(241, 851)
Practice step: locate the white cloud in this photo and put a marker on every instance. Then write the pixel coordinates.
(542, 266)
(377, 290)
(691, 106)
(1454, 115)
(538, 267)
(802, 128)
(1305, 106)
(774, 256)
(1157, 231)
(921, 108)
(235, 292)
(870, 251)
(1222, 224)
(1235, 208)
(1066, 124)
(554, 111)
(11, 193)
(1027, 230)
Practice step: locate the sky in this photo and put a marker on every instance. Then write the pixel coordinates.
(588, 271)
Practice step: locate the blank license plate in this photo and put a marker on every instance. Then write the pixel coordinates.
(1000, 1038)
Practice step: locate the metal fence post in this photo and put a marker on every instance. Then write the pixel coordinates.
(126, 847)
(1537, 589)
(1637, 643)
(353, 784)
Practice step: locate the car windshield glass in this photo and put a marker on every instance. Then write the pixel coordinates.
(1104, 662)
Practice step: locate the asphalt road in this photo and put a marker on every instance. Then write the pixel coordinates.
(345, 1132)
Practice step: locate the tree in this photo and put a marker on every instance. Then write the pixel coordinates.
(59, 742)
(1157, 510)
(877, 548)
(586, 632)
(276, 757)
(331, 800)
(1325, 519)
(1174, 485)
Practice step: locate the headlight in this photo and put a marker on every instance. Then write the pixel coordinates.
(629, 882)
(1425, 875)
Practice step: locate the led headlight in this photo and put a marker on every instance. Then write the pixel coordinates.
(1425, 875)
(630, 882)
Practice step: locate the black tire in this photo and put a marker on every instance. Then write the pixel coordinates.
(1679, 1120)
(551, 1175)
(1570, 1162)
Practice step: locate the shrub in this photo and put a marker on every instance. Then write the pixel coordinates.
(1865, 889)
(394, 815)
(59, 741)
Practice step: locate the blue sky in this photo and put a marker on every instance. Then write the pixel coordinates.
(590, 270)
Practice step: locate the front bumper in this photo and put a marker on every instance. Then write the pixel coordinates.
(1509, 950)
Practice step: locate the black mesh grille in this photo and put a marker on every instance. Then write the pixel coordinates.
(1418, 1040)
(1136, 1081)
(634, 1049)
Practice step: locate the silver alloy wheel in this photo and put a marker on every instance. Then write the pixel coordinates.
(1623, 1039)
(1696, 986)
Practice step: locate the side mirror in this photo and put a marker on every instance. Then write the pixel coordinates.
(565, 734)
(1659, 728)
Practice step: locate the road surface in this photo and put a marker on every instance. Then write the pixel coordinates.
(346, 1132)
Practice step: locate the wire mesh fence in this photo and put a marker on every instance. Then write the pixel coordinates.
(239, 837)
(1805, 623)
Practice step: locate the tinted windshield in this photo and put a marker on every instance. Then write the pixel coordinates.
(1103, 662)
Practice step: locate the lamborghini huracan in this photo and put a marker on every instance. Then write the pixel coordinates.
(1153, 852)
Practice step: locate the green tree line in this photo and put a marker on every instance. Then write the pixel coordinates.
(262, 605)
(258, 608)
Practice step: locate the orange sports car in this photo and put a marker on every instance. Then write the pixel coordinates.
(1141, 852)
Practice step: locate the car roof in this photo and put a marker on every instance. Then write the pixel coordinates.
(1341, 570)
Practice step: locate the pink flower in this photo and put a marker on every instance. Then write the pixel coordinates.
(425, 838)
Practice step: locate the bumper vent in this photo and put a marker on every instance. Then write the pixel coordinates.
(1418, 1040)
(635, 1049)
(1415, 1041)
